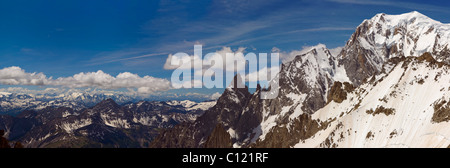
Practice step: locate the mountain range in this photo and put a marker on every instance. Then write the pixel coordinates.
(106, 124)
(387, 87)
(14, 103)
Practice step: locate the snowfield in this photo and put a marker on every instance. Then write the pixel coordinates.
(411, 123)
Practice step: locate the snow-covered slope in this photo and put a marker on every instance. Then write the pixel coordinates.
(191, 105)
(405, 107)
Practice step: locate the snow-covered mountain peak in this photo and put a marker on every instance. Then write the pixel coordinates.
(413, 17)
(318, 54)
(315, 59)
(75, 94)
(386, 36)
(4, 94)
(403, 35)
(184, 103)
(314, 63)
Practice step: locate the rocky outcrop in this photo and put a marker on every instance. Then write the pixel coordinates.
(4, 143)
(338, 92)
(381, 110)
(219, 138)
(287, 136)
(441, 111)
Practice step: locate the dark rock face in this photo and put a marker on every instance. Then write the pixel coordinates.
(338, 92)
(219, 138)
(357, 66)
(359, 62)
(441, 111)
(3, 141)
(443, 54)
(303, 76)
(301, 128)
(381, 109)
(18, 145)
(227, 112)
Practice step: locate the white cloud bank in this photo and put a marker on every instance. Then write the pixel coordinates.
(144, 85)
(221, 63)
(218, 57)
(17, 76)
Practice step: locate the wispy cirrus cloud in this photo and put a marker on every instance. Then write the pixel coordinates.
(399, 4)
(243, 23)
(221, 35)
(225, 22)
(318, 29)
(107, 59)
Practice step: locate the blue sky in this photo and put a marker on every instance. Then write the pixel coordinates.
(63, 38)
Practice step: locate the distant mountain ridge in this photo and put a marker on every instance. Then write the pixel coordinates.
(106, 124)
(14, 103)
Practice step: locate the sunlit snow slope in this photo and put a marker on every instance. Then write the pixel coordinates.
(407, 107)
